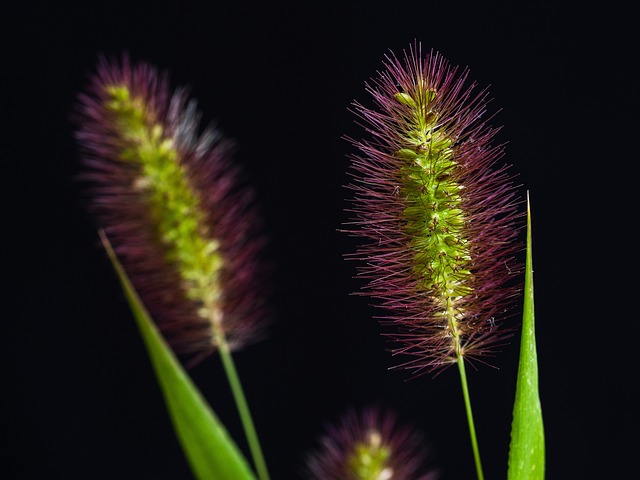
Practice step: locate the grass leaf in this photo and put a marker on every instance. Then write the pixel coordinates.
(211, 452)
(526, 454)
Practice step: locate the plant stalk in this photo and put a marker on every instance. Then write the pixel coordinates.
(472, 428)
(244, 412)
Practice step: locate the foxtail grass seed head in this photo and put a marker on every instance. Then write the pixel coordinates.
(370, 445)
(174, 206)
(439, 216)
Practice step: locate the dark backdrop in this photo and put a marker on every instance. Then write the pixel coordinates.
(278, 77)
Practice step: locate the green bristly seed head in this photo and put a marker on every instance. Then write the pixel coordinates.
(172, 202)
(434, 219)
(369, 461)
(438, 214)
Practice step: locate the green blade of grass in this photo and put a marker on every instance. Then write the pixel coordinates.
(209, 449)
(526, 453)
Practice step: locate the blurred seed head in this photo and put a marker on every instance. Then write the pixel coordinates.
(174, 205)
(370, 445)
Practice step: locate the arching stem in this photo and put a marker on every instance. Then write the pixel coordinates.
(244, 412)
(472, 428)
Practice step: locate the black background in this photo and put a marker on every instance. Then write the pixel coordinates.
(278, 77)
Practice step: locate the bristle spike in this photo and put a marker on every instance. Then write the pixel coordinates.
(439, 216)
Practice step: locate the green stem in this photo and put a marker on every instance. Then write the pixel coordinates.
(243, 410)
(472, 428)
